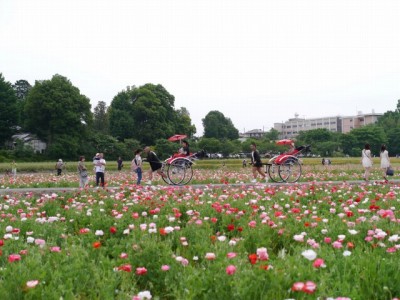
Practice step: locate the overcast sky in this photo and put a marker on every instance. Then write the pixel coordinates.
(256, 61)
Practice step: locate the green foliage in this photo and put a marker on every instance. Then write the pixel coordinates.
(210, 145)
(272, 135)
(371, 134)
(147, 114)
(8, 110)
(165, 149)
(100, 118)
(57, 112)
(216, 125)
(21, 88)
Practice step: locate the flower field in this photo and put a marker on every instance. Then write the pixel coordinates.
(306, 241)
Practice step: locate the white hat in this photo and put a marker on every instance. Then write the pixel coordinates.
(60, 160)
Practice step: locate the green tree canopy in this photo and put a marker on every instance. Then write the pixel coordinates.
(147, 114)
(21, 88)
(371, 134)
(272, 135)
(8, 110)
(210, 145)
(56, 111)
(216, 125)
(100, 118)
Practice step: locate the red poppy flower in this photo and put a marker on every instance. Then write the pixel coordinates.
(126, 268)
(231, 227)
(253, 258)
(96, 245)
(113, 229)
(162, 231)
(350, 245)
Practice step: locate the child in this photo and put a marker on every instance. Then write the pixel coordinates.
(137, 165)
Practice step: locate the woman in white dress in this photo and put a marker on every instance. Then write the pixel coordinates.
(366, 161)
(385, 162)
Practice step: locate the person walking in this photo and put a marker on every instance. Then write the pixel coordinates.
(155, 165)
(82, 172)
(385, 161)
(100, 167)
(137, 165)
(14, 169)
(120, 163)
(59, 167)
(257, 164)
(366, 161)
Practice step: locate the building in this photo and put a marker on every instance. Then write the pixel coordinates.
(255, 134)
(292, 127)
(30, 140)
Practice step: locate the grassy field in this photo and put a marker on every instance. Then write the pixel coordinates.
(200, 164)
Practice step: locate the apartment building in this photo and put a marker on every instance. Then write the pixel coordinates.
(292, 127)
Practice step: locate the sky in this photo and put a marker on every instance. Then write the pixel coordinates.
(257, 61)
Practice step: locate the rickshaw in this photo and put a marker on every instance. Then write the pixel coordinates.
(178, 168)
(286, 167)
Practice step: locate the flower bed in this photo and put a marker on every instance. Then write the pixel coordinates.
(263, 242)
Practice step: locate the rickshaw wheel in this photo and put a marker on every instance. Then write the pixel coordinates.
(290, 170)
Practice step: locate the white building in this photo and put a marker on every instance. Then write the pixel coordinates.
(31, 140)
(292, 127)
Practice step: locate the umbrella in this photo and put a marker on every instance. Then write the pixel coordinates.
(177, 137)
(285, 142)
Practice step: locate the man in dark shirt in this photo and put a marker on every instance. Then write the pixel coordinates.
(257, 164)
(155, 164)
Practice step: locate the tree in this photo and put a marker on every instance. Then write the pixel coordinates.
(147, 114)
(394, 141)
(21, 88)
(371, 134)
(272, 135)
(8, 110)
(210, 145)
(165, 149)
(121, 115)
(100, 118)
(315, 136)
(59, 114)
(183, 123)
(216, 125)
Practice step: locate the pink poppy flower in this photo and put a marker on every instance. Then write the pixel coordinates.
(32, 283)
(141, 271)
(297, 286)
(252, 224)
(14, 257)
(165, 268)
(319, 263)
(231, 255)
(55, 249)
(210, 256)
(337, 245)
(262, 254)
(230, 270)
(40, 242)
(309, 287)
